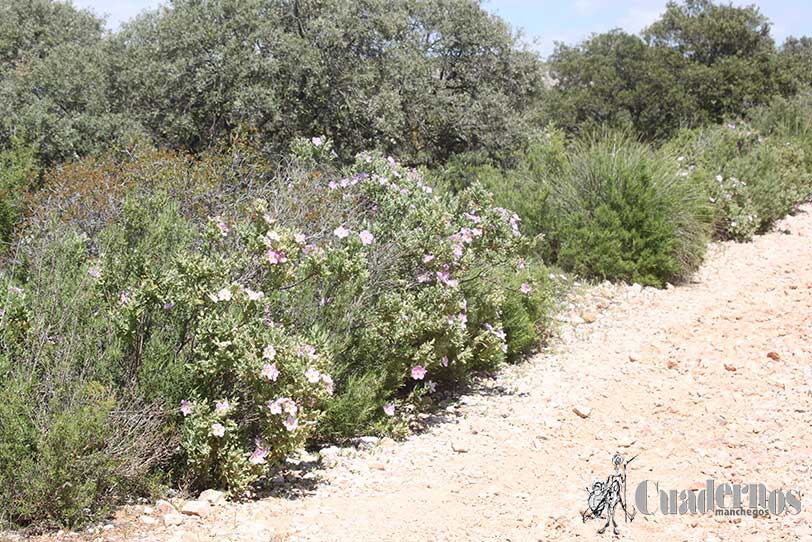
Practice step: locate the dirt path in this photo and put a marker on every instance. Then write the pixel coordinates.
(681, 377)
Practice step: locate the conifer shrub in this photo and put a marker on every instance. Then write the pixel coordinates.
(625, 214)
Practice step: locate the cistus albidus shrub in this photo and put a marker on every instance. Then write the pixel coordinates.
(312, 307)
(750, 180)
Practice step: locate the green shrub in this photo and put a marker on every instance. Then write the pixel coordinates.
(750, 180)
(531, 293)
(17, 169)
(626, 214)
(522, 185)
(75, 435)
(789, 117)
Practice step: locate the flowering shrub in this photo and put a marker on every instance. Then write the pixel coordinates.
(429, 310)
(212, 328)
(320, 283)
(750, 180)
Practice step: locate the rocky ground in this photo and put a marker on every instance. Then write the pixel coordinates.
(710, 379)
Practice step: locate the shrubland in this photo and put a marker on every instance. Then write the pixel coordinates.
(206, 330)
(233, 229)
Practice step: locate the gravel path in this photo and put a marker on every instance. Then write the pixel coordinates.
(707, 380)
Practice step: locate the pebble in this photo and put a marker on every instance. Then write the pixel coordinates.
(173, 519)
(212, 496)
(196, 508)
(589, 317)
(165, 507)
(459, 447)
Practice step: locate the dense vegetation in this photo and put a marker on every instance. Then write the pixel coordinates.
(233, 228)
(699, 64)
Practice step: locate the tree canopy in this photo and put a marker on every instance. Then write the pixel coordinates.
(700, 63)
(421, 80)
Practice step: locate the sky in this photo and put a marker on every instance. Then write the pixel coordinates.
(544, 22)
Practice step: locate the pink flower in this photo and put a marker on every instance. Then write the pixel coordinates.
(269, 352)
(221, 226)
(306, 350)
(258, 456)
(276, 257)
(521, 264)
(514, 224)
(218, 430)
(341, 232)
(275, 406)
(457, 251)
(312, 375)
(389, 409)
(299, 238)
(316, 141)
(328, 383)
(366, 237)
(222, 407)
(290, 407)
(123, 297)
(418, 372)
(273, 235)
(185, 408)
(445, 278)
(270, 371)
(332, 185)
(444, 361)
(223, 295)
(424, 277)
(428, 258)
(291, 423)
(526, 289)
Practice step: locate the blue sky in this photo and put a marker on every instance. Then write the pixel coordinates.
(544, 22)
